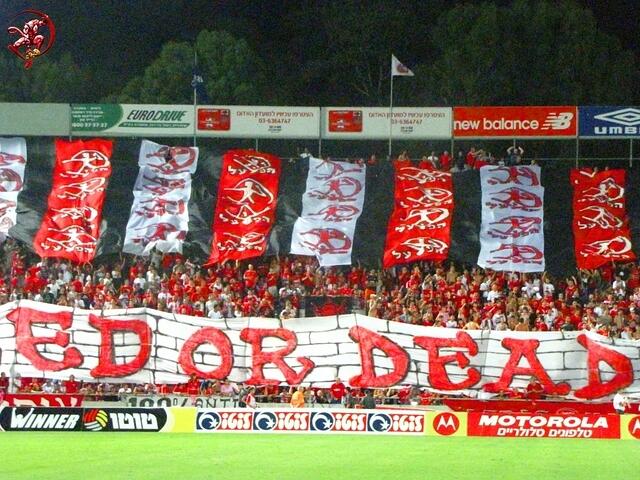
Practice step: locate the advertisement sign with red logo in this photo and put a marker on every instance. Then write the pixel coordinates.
(217, 119)
(258, 121)
(372, 123)
(630, 428)
(485, 424)
(515, 122)
(345, 120)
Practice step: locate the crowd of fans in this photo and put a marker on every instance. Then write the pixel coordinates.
(606, 300)
(472, 160)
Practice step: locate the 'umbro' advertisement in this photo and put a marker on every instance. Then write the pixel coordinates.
(621, 122)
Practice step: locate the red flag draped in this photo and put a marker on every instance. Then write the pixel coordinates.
(420, 225)
(600, 223)
(246, 205)
(71, 225)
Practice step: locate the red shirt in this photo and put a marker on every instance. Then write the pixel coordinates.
(338, 390)
(70, 386)
(4, 384)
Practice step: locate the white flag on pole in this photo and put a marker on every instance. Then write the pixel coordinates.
(398, 69)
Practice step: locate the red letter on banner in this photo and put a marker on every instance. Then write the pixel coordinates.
(527, 349)
(212, 336)
(106, 366)
(26, 343)
(596, 353)
(368, 341)
(438, 377)
(259, 358)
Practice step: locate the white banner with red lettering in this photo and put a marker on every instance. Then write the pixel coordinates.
(144, 345)
(331, 206)
(13, 158)
(159, 214)
(512, 235)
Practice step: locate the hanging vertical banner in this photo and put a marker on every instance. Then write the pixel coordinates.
(331, 206)
(13, 158)
(160, 215)
(246, 205)
(420, 225)
(600, 224)
(71, 225)
(511, 234)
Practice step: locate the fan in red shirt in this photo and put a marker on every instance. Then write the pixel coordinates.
(71, 386)
(250, 277)
(534, 389)
(337, 391)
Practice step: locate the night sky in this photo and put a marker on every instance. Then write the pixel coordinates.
(113, 40)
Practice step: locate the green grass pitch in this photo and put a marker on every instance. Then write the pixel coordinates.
(151, 456)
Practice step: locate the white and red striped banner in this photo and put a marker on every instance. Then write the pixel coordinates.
(160, 215)
(13, 158)
(420, 225)
(71, 225)
(331, 206)
(600, 224)
(246, 205)
(512, 235)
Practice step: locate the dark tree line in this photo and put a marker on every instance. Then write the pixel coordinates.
(324, 53)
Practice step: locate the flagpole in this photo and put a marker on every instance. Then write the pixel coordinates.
(391, 114)
(195, 95)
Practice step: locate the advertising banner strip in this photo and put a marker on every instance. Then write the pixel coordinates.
(420, 224)
(160, 214)
(372, 123)
(41, 400)
(258, 122)
(515, 122)
(13, 159)
(496, 424)
(600, 224)
(101, 419)
(331, 206)
(132, 120)
(511, 234)
(71, 225)
(285, 420)
(148, 346)
(246, 205)
(609, 122)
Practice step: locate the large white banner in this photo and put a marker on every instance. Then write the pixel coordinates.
(13, 158)
(144, 345)
(331, 206)
(159, 214)
(512, 234)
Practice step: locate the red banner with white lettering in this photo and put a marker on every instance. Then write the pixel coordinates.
(41, 400)
(246, 205)
(590, 425)
(515, 122)
(600, 223)
(420, 225)
(71, 225)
